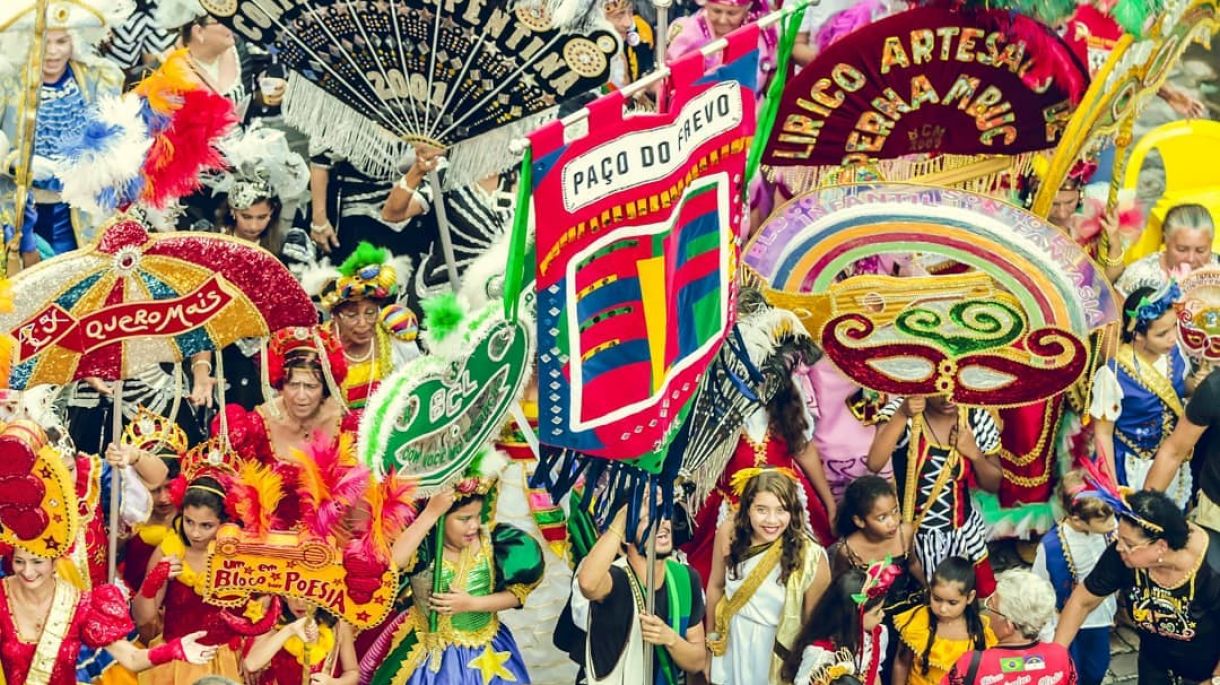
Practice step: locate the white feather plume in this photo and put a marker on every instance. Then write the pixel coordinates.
(263, 154)
(117, 163)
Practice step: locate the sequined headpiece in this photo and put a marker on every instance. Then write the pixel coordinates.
(314, 339)
(246, 192)
(154, 433)
(214, 458)
(616, 5)
(1152, 307)
(481, 477)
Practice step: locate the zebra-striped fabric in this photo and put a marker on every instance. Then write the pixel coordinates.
(138, 36)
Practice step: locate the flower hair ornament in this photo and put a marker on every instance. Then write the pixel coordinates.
(878, 579)
(832, 666)
(1080, 174)
(1152, 307)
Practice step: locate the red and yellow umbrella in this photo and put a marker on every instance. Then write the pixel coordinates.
(135, 298)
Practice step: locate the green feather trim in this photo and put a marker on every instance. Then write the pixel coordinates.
(1026, 521)
(1133, 15)
(442, 315)
(366, 253)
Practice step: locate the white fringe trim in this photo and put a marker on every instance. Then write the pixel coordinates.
(333, 125)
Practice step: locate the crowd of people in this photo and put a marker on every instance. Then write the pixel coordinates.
(848, 540)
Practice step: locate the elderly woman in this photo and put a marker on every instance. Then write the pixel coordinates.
(1168, 571)
(1188, 231)
(1021, 607)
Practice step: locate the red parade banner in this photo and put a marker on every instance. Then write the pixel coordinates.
(55, 325)
(926, 81)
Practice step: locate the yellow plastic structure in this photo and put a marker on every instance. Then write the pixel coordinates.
(1189, 150)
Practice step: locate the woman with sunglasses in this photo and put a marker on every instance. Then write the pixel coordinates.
(1168, 570)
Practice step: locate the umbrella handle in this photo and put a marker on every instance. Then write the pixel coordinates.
(116, 483)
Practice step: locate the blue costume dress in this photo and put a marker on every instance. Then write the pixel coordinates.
(1145, 403)
(472, 648)
(62, 107)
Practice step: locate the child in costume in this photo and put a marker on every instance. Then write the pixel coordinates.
(1138, 397)
(164, 440)
(377, 333)
(767, 574)
(176, 578)
(774, 434)
(938, 449)
(850, 619)
(934, 636)
(280, 656)
(46, 622)
(1066, 555)
(483, 572)
(871, 529)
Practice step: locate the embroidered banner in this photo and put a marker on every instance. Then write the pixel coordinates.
(292, 564)
(636, 258)
(928, 80)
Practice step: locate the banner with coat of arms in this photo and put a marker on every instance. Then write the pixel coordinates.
(636, 223)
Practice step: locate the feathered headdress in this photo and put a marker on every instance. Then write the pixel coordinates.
(1102, 487)
(149, 146)
(370, 272)
(330, 482)
(368, 555)
(261, 166)
(253, 495)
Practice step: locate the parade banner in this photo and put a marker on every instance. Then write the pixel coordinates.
(1012, 330)
(370, 79)
(926, 81)
(429, 419)
(636, 218)
(292, 564)
(1199, 315)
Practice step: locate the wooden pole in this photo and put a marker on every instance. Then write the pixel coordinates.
(27, 121)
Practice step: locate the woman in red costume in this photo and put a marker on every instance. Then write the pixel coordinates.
(45, 621)
(776, 434)
(307, 368)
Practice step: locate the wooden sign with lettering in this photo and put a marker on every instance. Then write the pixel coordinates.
(292, 564)
(924, 81)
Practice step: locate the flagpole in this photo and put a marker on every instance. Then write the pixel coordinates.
(630, 90)
(28, 120)
(662, 35)
(442, 225)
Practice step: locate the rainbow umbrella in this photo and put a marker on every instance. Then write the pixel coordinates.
(135, 298)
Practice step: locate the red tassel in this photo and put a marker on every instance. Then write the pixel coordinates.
(187, 147)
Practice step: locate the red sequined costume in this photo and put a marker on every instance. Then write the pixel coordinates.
(250, 438)
(772, 451)
(88, 554)
(99, 618)
(285, 668)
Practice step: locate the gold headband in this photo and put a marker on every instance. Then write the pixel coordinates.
(738, 483)
(206, 488)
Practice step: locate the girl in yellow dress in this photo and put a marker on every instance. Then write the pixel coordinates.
(935, 635)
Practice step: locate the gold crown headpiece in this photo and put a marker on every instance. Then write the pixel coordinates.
(154, 433)
(214, 458)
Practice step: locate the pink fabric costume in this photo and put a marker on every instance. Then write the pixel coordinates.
(692, 33)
